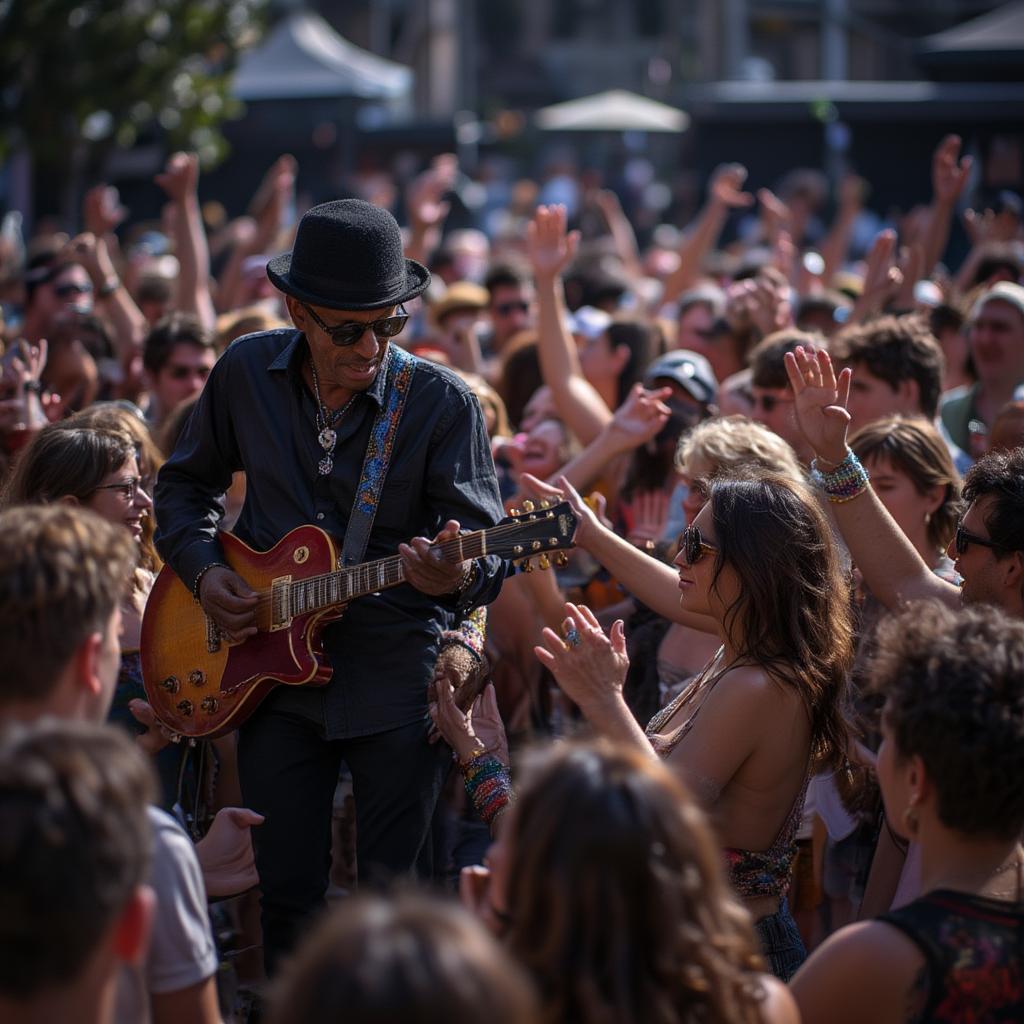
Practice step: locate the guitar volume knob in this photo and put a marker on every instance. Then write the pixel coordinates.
(186, 707)
(197, 677)
(170, 684)
(209, 704)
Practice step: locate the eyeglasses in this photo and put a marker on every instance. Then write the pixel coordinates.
(64, 291)
(129, 488)
(507, 308)
(962, 538)
(693, 547)
(768, 402)
(350, 331)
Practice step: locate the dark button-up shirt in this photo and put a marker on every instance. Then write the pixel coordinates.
(256, 414)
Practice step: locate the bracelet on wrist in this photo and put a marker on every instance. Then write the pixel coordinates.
(33, 385)
(845, 481)
(108, 288)
(202, 572)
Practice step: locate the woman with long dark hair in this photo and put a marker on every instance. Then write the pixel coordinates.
(758, 566)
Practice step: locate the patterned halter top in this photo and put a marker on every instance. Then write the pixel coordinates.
(753, 873)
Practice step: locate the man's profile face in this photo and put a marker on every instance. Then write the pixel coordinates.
(978, 564)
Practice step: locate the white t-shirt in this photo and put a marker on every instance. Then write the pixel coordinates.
(181, 949)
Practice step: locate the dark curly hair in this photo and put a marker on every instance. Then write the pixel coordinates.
(618, 902)
(895, 349)
(792, 616)
(1000, 474)
(954, 688)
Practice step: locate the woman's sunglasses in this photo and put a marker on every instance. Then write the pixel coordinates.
(693, 547)
(350, 331)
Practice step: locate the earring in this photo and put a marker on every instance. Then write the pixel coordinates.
(910, 821)
(927, 518)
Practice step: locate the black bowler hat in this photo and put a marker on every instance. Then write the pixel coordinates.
(348, 255)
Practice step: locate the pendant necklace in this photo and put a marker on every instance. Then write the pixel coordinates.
(325, 421)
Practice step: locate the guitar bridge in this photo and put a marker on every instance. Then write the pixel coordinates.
(214, 635)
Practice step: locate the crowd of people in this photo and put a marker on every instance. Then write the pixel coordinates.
(750, 751)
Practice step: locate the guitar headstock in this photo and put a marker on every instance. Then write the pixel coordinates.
(532, 532)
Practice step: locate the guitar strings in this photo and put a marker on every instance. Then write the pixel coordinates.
(452, 546)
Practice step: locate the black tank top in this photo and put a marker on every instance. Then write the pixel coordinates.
(974, 950)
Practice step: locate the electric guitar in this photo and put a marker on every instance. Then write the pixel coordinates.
(200, 684)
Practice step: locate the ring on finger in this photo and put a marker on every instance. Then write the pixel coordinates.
(572, 637)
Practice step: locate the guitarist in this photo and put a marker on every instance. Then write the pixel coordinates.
(296, 411)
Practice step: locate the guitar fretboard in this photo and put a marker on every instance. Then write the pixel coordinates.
(336, 588)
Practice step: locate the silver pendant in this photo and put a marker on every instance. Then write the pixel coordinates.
(325, 465)
(327, 438)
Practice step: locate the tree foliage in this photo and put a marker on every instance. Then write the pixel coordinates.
(83, 76)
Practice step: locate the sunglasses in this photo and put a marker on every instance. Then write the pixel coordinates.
(693, 547)
(962, 538)
(506, 308)
(128, 488)
(350, 331)
(64, 291)
(768, 402)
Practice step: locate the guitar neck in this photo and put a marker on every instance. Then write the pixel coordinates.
(333, 589)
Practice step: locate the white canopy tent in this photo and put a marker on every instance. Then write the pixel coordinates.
(614, 111)
(304, 58)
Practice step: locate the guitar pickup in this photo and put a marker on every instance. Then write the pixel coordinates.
(280, 603)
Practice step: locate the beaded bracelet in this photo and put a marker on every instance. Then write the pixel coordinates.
(846, 481)
(202, 572)
(488, 785)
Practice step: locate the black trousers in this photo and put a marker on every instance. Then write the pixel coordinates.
(289, 772)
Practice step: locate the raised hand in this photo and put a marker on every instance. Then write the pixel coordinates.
(774, 212)
(949, 171)
(424, 198)
(180, 177)
(589, 665)
(649, 514)
(882, 278)
(102, 211)
(726, 187)
(587, 519)
(640, 417)
(549, 245)
(820, 402)
(851, 192)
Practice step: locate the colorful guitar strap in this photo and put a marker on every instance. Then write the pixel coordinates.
(400, 367)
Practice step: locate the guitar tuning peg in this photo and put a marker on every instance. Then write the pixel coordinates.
(528, 505)
(527, 565)
(515, 511)
(561, 559)
(544, 562)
